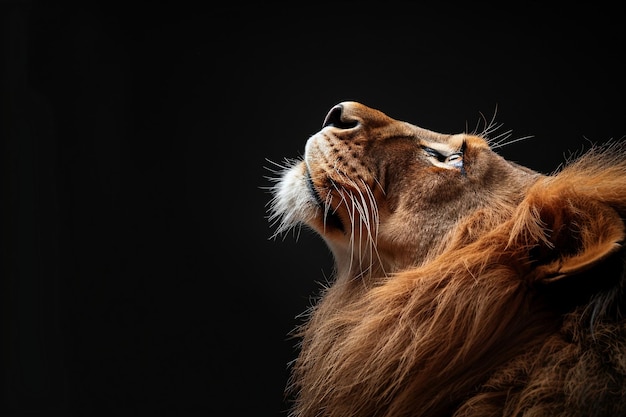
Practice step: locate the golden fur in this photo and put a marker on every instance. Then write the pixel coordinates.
(465, 284)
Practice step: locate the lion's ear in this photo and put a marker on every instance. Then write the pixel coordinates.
(580, 237)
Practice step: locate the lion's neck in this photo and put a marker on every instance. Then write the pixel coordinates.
(378, 262)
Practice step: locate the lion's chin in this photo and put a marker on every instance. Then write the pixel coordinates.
(330, 218)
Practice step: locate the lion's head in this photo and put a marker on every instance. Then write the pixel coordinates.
(465, 284)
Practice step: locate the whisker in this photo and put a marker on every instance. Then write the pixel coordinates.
(350, 210)
(490, 127)
(327, 207)
(500, 145)
(380, 187)
(365, 224)
(366, 220)
(365, 206)
(376, 219)
(502, 137)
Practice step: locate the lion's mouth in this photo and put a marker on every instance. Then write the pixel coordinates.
(331, 219)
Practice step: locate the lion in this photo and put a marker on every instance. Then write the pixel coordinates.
(464, 284)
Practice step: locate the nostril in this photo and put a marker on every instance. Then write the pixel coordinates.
(336, 118)
(333, 117)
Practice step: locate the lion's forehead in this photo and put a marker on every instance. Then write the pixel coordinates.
(452, 143)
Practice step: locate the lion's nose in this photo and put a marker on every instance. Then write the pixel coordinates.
(339, 118)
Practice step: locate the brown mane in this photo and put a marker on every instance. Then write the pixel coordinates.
(519, 313)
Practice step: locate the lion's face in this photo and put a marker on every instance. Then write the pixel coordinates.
(386, 194)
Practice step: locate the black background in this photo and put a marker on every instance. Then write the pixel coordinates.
(139, 277)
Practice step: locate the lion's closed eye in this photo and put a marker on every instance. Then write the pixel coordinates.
(453, 159)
